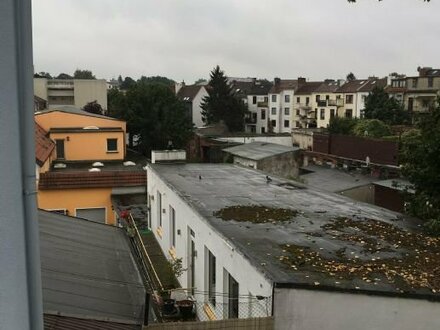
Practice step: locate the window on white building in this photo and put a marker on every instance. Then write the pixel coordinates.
(298, 100)
(287, 111)
(287, 123)
(211, 276)
(263, 130)
(263, 114)
(274, 111)
(287, 98)
(159, 209)
(274, 98)
(274, 123)
(322, 114)
(172, 227)
(254, 100)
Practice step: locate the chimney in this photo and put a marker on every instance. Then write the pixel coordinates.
(301, 81)
(277, 81)
(423, 71)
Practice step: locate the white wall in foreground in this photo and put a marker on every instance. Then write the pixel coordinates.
(298, 309)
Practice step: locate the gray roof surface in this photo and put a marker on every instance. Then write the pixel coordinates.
(88, 270)
(259, 150)
(75, 111)
(361, 244)
(334, 180)
(397, 184)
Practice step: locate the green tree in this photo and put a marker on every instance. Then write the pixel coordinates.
(157, 80)
(154, 113)
(43, 74)
(379, 105)
(420, 159)
(221, 105)
(64, 76)
(127, 83)
(83, 74)
(201, 81)
(342, 125)
(94, 107)
(351, 76)
(371, 128)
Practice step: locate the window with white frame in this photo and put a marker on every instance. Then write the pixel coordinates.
(287, 111)
(274, 111)
(211, 276)
(287, 98)
(274, 98)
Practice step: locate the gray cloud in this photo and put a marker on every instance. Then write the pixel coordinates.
(185, 39)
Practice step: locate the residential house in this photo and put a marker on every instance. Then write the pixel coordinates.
(422, 91)
(88, 163)
(254, 93)
(353, 95)
(71, 92)
(193, 96)
(292, 248)
(113, 84)
(305, 109)
(271, 158)
(89, 276)
(326, 102)
(281, 100)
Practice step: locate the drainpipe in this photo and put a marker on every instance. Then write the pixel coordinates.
(20, 276)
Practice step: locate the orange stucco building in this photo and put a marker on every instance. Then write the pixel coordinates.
(69, 143)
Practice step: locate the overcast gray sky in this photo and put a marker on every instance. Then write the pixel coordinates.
(185, 39)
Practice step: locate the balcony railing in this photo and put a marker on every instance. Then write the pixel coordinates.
(262, 104)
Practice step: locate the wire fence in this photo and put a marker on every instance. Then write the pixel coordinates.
(219, 306)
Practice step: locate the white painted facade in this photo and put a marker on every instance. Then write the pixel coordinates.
(167, 155)
(190, 226)
(299, 309)
(280, 110)
(197, 109)
(245, 162)
(259, 116)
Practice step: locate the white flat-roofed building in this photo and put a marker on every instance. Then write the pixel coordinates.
(308, 256)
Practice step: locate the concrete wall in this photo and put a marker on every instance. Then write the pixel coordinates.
(167, 155)
(296, 309)
(228, 258)
(303, 138)
(285, 140)
(284, 165)
(40, 87)
(88, 90)
(362, 194)
(391, 199)
(245, 162)
(265, 323)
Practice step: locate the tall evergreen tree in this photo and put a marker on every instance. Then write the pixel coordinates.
(221, 104)
(379, 105)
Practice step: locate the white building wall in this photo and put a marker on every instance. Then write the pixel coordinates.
(245, 162)
(275, 116)
(297, 309)
(89, 90)
(228, 258)
(197, 109)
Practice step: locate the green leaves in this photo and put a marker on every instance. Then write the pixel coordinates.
(221, 104)
(379, 105)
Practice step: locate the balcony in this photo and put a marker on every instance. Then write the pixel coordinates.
(303, 106)
(262, 104)
(60, 84)
(331, 103)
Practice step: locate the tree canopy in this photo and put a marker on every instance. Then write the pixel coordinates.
(342, 125)
(420, 159)
(83, 74)
(153, 113)
(351, 76)
(373, 128)
(221, 105)
(156, 80)
(379, 105)
(64, 76)
(94, 107)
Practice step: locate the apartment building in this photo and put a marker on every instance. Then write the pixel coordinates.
(82, 162)
(417, 93)
(192, 96)
(241, 236)
(326, 102)
(281, 104)
(71, 92)
(353, 94)
(254, 93)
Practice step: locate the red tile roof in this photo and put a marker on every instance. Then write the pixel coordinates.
(73, 180)
(57, 322)
(43, 145)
